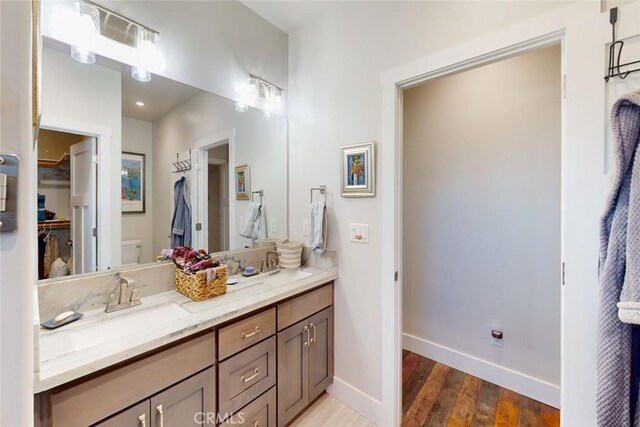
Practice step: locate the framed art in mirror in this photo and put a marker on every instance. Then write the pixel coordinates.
(132, 189)
(243, 188)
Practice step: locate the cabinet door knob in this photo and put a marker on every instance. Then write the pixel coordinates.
(160, 414)
(143, 420)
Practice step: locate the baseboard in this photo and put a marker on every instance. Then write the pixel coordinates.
(513, 380)
(356, 399)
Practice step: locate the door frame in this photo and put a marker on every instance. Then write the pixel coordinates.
(202, 186)
(107, 217)
(574, 27)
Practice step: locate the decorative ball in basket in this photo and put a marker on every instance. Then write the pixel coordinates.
(198, 276)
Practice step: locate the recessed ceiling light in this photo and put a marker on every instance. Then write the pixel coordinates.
(140, 103)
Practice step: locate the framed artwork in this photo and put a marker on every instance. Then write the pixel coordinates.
(243, 188)
(133, 182)
(359, 170)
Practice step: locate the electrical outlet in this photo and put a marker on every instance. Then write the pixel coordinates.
(273, 225)
(305, 227)
(359, 233)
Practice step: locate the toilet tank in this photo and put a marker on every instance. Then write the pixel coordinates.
(131, 250)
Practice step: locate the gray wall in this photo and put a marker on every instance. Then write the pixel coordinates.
(481, 212)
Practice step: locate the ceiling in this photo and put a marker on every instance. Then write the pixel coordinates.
(287, 15)
(160, 95)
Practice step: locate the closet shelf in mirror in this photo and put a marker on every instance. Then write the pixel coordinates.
(49, 163)
(56, 223)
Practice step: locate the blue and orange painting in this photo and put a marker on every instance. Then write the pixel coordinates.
(356, 169)
(131, 180)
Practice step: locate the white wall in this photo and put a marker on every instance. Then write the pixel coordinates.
(137, 138)
(481, 214)
(18, 249)
(335, 63)
(91, 95)
(260, 143)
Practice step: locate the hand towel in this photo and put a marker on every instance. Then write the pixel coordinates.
(181, 221)
(318, 227)
(251, 226)
(619, 272)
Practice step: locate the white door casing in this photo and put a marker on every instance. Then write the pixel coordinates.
(83, 206)
(582, 31)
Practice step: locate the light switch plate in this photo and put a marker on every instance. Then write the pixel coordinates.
(305, 227)
(359, 233)
(273, 224)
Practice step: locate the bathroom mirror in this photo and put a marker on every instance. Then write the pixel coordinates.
(111, 150)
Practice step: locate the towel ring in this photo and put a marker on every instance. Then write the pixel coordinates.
(321, 189)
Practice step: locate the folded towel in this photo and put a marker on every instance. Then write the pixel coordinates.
(251, 226)
(318, 227)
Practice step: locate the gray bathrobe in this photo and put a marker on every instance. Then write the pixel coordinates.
(181, 222)
(619, 270)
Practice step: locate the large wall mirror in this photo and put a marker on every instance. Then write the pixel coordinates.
(116, 154)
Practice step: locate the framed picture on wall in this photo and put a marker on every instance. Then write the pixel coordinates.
(133, 182)
(359, 170)
(243, 188)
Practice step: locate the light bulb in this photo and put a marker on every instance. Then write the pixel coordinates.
(86, 29)
(147, 55)
(241, 107)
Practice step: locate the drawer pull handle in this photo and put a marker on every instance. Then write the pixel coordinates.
(306, 343)
(143, 420)
(161, 414)
(314, 334)
(256, 372)
(249, 335)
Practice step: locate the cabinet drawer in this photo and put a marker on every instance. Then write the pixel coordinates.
(245, 333)
(261, 412)
(297, 309)
(247, 375)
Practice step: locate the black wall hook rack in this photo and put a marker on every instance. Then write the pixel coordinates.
(615, 68)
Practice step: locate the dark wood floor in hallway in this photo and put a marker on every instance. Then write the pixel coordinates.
(437, 395)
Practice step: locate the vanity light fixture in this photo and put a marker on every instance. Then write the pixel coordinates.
(147, 54)
(92, 20)
(259, 93)
(86, 29)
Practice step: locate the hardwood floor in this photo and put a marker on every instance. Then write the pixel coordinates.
(437, 395)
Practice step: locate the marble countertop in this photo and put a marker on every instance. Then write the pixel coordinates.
(100, 339)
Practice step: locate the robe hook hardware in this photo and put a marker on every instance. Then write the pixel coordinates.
(182, 165)
(615, 68)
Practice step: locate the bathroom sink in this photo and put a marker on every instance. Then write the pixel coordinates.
(108, 328)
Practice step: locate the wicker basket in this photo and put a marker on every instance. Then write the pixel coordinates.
(196, 287)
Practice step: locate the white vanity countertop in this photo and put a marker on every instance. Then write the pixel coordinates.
(100, 339)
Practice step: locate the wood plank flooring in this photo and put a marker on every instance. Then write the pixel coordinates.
(436, 395)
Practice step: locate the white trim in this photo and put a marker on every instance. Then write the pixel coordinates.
(533, 33)
(109, 249)
(225, 137)
(504, 377)
(356, 399)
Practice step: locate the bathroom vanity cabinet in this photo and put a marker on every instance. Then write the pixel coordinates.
(263, 368)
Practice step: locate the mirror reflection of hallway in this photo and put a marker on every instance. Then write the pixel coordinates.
(67, 197)
(218, 198)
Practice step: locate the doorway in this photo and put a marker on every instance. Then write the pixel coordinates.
(67, 204)
(218, 198)
(481, 235)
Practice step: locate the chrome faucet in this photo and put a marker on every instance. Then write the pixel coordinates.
(125, 296)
